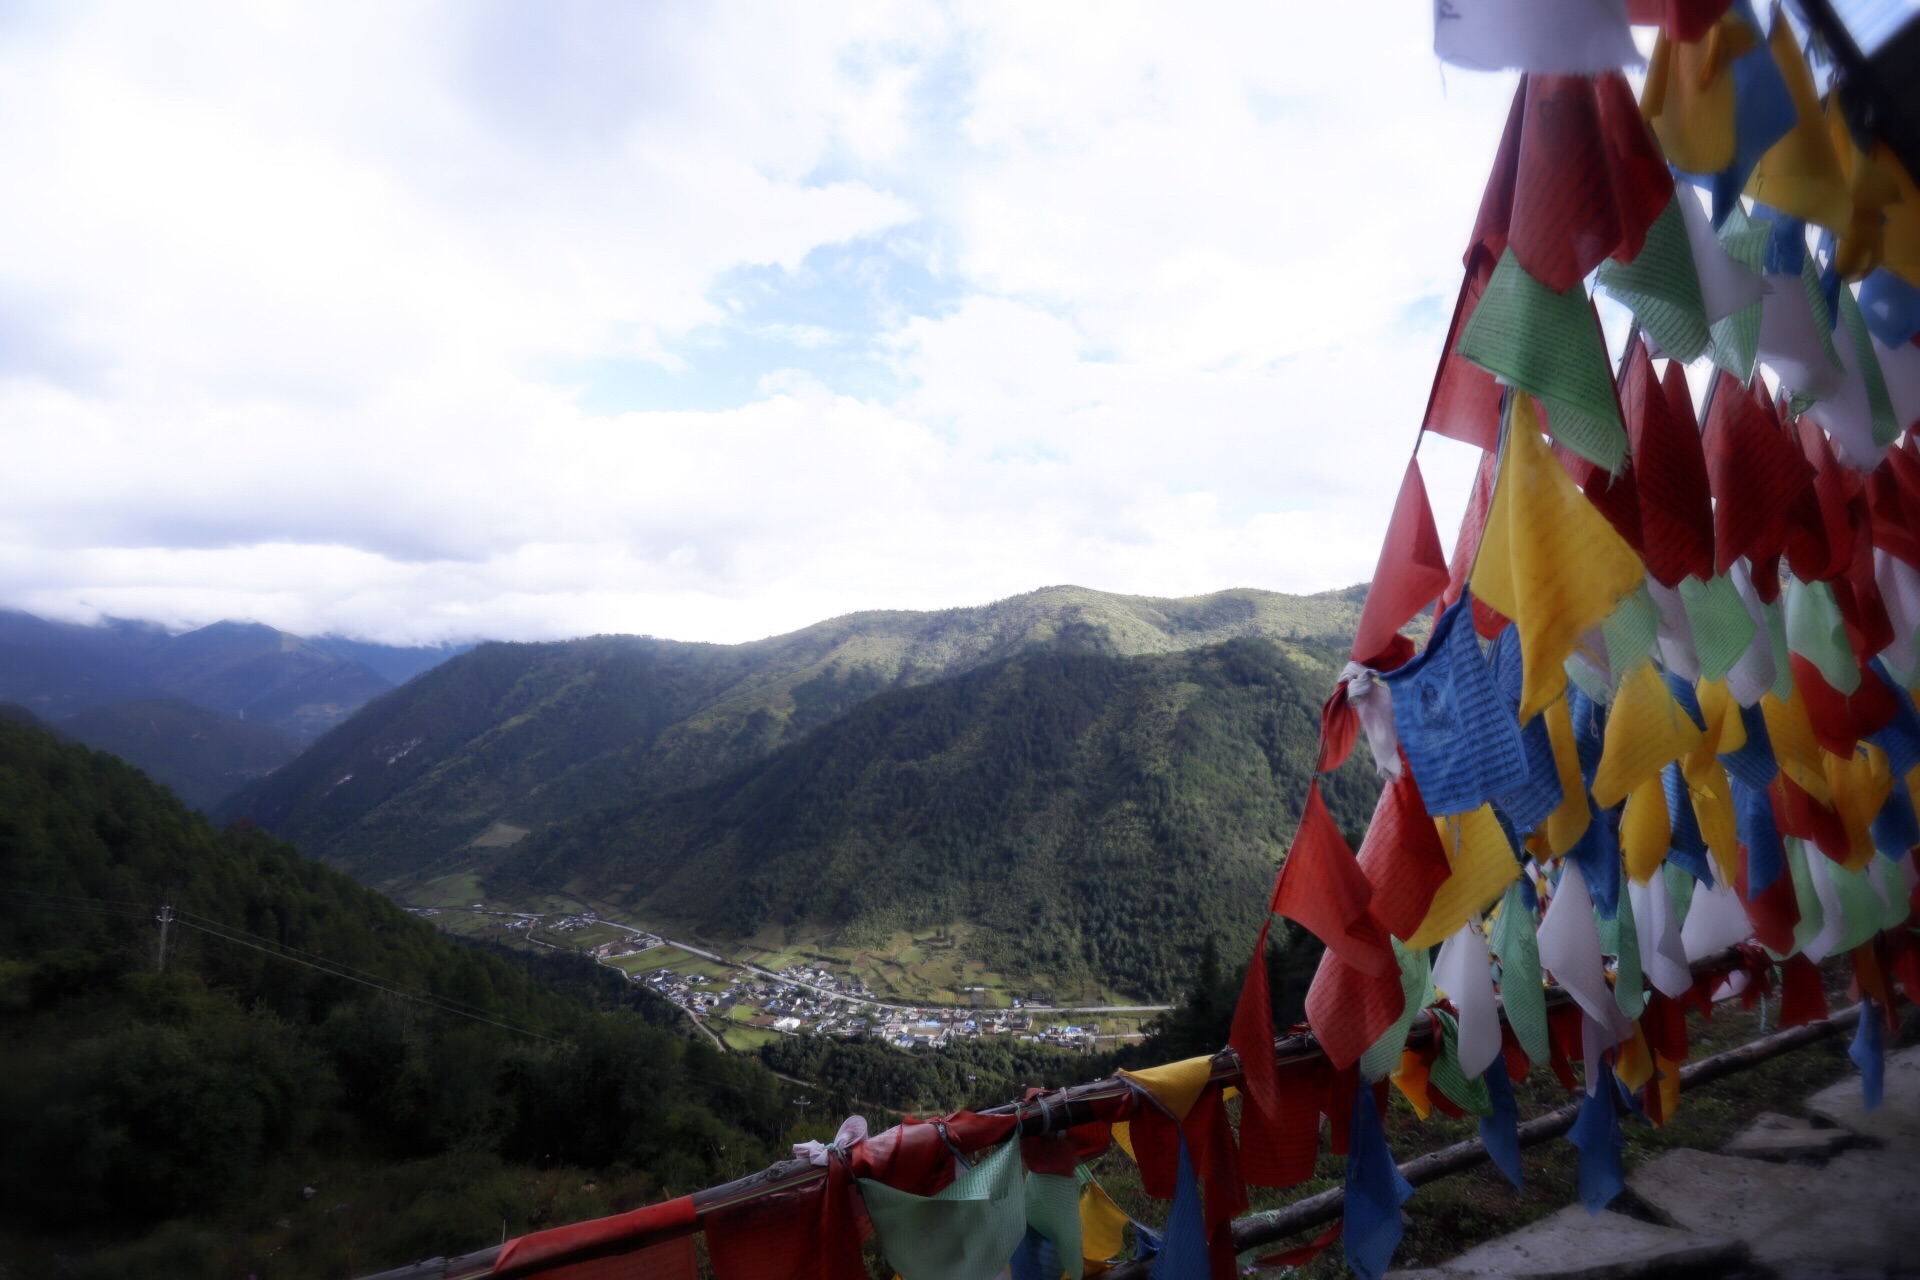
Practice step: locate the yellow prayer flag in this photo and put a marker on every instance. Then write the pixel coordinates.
(1726, 731)
(1566, 824)
(1635, 1061)
(1794, 746)
(1712, 797)
(1873, 189)
(1548, 559)
(1669, 1086)
(1646, 831)
(1800, 174)
(1410, 1077)
(1483, 866)
(1176, 1085)
(1646, 731)
(1860, 785)
(1900, 237)
(1689, 97)
(1102, 1224)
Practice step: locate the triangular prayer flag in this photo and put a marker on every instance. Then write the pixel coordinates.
(1403, 858)
(1252, 1039)
(1349, 1010)
(1483, 866)
(1411, 573)
(1548, 560)
(1464, 403)
(1670, 474)
(1736, 337)
(1869, 1053)
(1800, 174)
(1548, 343)
(1183, 1245)
(1596, 1132)
(1661, 287)
(1689, 96)
(1521, 994)
(1322, 887)
(1756, 474)
(1646, 730)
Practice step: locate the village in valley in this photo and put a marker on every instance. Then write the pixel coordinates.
(744, 1004)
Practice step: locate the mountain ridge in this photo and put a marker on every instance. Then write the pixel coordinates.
(531, 733)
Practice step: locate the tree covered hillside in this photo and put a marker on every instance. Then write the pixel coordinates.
(532, 734)
(171, 1123)
(1085, 812)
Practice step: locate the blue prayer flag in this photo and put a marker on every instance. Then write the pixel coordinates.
(1458, 732)
(1183, 1245)
(1869, 1053)
(1597, 1133)
(1375, 1192)
(1500, 1132)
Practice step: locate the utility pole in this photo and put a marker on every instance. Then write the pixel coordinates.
(165, 917)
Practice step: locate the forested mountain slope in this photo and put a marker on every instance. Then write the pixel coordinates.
(532, 734)
(1085, 812)
(203, 755)
(170, 1123)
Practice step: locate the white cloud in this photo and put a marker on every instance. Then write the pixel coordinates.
(295, 301)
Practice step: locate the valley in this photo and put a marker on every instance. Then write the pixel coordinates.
(917, 991)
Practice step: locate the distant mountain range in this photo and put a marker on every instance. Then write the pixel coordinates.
(203, 711)
(1023, 766)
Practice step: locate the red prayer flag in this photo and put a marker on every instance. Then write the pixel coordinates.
(1285, 1155)
(1578, 179)
(1857, 593)
(1464, 404)
(1670, 471)
(1252, 1038)
(1486, 621)
(1348, 1009)
(1684, 21)
(1411, 573)
(652, 1243)
(1840, 720)
(1894, 529)
(1774, 913)
(1321, 886)
(806, 1234)
(1301, 1254)
(1756, 474)
(1615, 496)
(1803, 998)
(1339, 730)
(1402, 857)
(1799, 815)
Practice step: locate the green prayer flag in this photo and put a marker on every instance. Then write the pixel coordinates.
(1621, 940)
(1817, 632)
(1813, 916)
(1777, 641)
(1662, 288)
(1736, 339)
(1886, 427)
(1722, 627)
(1817, 303)
(966, 1232)
(1053, 1209)
(1631, 631)
(1893, 890)
(1548, 344)
(1860, 904)
(1521, 993)
(1416, 985)
(1680, 886)
(1470, 1096)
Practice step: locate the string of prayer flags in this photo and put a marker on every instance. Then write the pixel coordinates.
(1549, 344)
(1411, 573)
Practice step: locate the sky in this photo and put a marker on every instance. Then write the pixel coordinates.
(420, 322)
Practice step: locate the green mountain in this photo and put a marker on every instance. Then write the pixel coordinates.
(1085, 813)
(203, 755)
(256, 1108)
(511, 738)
